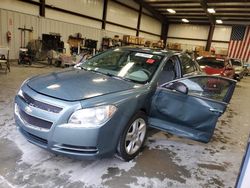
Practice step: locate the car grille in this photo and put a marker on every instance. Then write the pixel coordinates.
(33, 138)
(35, 121)
(32, 102)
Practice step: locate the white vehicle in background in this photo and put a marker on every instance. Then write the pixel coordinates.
(239, 68)
(246, 69)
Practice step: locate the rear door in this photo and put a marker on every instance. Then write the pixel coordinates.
(195, 114)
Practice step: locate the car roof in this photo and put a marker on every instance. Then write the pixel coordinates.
(235, 59)
(211, 58)
(155, 51)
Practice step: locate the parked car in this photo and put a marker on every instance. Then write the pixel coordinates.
(105, 105)
(239, 69)
(246, 69)
(217, 67)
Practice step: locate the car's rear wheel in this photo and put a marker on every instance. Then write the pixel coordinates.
(133, 137)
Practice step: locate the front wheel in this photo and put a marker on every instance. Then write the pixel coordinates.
(133, 137)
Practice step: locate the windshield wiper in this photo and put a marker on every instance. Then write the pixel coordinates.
(119, 77)
(93, 70)
(84, 68)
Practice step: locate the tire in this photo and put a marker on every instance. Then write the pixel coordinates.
(133, 137)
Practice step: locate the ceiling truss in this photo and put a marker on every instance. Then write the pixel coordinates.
(229, 11)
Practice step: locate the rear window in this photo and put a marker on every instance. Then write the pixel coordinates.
(236, 62)
(215, 63)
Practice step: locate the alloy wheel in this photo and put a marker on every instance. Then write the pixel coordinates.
(135, 136)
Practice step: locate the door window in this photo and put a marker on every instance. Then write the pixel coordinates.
(210, 87)
(187, 65)
(168, 72)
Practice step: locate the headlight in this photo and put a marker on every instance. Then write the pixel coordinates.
(92, 117)
(16, 109)
(20, 93)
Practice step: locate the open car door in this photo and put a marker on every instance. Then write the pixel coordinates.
(191, 106)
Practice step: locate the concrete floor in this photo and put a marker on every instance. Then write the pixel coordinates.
(167, 161)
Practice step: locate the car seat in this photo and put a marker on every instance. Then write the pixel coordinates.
(168, 73)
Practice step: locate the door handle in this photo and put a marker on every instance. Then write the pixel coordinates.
(216, 110)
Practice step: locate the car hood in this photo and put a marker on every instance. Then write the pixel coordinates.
(73, 84)
(210, 70)
(238, 68)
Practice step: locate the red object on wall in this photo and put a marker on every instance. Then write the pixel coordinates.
(8, 35)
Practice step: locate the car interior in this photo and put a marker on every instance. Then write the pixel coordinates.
(168, 72)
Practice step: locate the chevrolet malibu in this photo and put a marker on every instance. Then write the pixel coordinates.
(105, 105)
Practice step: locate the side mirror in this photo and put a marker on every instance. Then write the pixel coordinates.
(180, 87)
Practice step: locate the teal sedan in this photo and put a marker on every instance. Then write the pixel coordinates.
(104, 106)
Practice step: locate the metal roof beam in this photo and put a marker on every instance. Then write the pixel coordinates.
(171, 2)
(149, 8)
(227, 1)
(204, 6)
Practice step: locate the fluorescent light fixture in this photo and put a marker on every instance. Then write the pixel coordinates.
(211, 10)
(219, 21)
(172, 11)
(184, 20)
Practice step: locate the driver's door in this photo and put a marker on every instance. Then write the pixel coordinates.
(191, 106)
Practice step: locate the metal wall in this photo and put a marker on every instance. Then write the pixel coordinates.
(18, 6)
(150, 24)
(199, 32)
(15, 14)
(91, 8)
(11, 21)
(221, 33)
(121, 15)
(188, 31)
(148, 36)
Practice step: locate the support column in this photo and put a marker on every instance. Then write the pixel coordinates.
(139, 21)
(42, 8)
(210, 37)
(164, 33)
(104, 14)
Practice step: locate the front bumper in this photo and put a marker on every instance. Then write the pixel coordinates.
(239, 75)
(60, 137)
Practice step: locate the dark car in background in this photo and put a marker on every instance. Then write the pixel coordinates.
(216, 66)
(239, 68)
(105, 105)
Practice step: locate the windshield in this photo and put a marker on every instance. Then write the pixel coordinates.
(125, 64)
(236, 62)
(217, 64)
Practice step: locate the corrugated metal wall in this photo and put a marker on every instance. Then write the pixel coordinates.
(11, 21)
(188, 31)
(15, 14)
(91, 8)
(221, 33)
